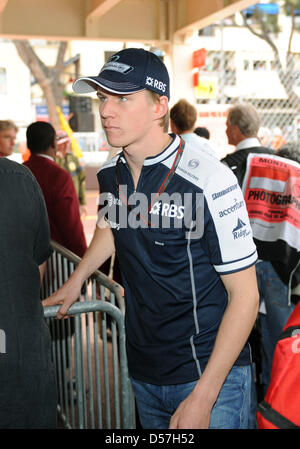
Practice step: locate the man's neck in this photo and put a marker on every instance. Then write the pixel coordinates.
(135, 155)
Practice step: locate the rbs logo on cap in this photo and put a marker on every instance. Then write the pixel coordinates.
(159, 85)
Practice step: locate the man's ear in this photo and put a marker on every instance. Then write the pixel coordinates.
(238, 135)
(162, 106)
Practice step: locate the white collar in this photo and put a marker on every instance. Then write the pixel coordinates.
(45, 155)
(151, 160)
(248, 143)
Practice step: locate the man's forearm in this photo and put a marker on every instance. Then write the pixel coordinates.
(99, 250)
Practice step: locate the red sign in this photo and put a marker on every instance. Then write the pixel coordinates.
(199, 58)
(271, 188)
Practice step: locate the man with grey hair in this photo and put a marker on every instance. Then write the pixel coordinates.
(8, 134)
(242, 126)
(276, 265)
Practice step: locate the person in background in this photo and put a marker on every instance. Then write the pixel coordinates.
(202, 132)
(243, 123)
(242, 126)
(57, 186)
(278, 140)
(183, 117)
(291, 150)
(28, 396)
(8, 134)
(67, 160)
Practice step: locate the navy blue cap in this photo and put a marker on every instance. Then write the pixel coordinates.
(126, 72)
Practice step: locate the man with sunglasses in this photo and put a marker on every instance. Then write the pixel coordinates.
(177, 220)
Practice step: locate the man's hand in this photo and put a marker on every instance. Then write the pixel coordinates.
(66, 296)
(100, 249)
(192, 413)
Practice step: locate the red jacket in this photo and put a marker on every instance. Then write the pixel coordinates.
(62, 203)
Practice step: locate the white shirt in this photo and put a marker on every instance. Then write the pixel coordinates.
(248, 143)
(200, 142)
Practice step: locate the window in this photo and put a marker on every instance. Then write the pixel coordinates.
(259, 65)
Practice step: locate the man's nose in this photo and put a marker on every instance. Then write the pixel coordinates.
(107, 109)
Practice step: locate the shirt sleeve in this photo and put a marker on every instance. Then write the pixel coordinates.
(228, 233)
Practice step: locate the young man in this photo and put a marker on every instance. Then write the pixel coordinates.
(8, 134)
(190, 285)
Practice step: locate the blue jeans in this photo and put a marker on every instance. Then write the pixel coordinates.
(157, 403)
(274, 293)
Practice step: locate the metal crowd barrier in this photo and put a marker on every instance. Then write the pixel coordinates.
(88, 350)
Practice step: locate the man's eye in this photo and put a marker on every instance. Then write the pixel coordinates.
(122, 99)
(101, 98)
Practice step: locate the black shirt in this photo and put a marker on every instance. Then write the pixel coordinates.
(27, 382)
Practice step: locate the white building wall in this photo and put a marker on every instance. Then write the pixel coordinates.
(15, 103)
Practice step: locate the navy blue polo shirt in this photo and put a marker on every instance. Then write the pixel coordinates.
(172, 249)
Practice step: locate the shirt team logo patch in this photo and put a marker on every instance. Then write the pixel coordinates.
(239, 231)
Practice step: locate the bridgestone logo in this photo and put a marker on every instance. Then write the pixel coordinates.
(224, 192)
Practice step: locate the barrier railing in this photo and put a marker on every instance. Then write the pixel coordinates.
(88, 350)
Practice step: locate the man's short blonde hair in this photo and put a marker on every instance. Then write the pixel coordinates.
(8, 124)
(164, 121)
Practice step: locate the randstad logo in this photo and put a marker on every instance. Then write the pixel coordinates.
(152, 82)
(239, 231)
(167, 210)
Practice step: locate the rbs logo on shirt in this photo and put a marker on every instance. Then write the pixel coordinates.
(167, 210)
